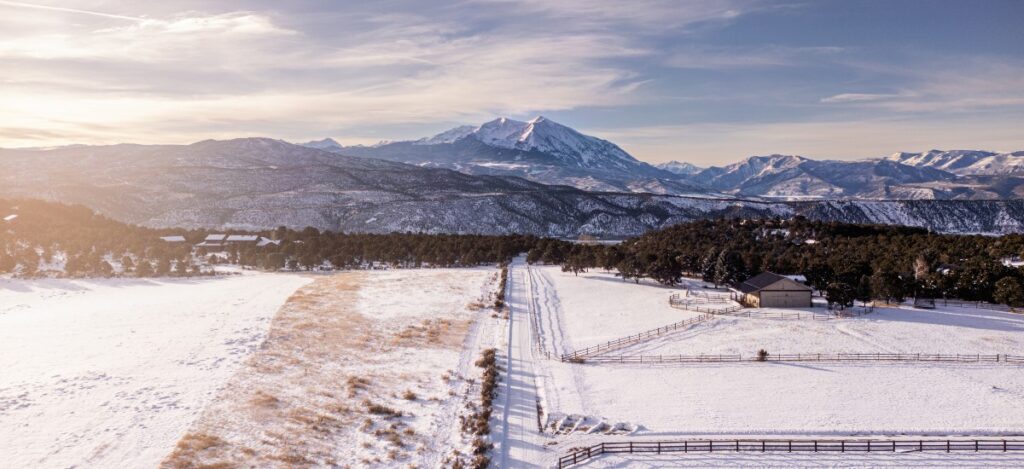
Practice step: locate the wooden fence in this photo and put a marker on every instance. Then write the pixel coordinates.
(677, 301)
(581, 354)
(680, 448)
(973, 304)
(808, 357)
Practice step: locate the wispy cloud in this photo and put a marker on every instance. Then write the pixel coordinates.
(712, 57)
(101, 14)
(859, 97)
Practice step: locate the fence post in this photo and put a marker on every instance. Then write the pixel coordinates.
(686, 446)
(869, 446)
(975, 446)
(842, 446)
(947, 446)
(790, 446)
(1004, 446)
(659, 447)
(737, 446)
(630, 447)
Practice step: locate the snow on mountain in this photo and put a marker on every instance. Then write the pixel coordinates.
(680, 167)
(965, 162)
(567, 146)
(733, 176)
(327, 144)
(447, 136)
(264, 183)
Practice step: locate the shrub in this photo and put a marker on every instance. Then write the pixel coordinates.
(762, 355)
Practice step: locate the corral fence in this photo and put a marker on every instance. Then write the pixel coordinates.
(678, 301)
(581, 354)
(974, 304)
(581, 455)
(807, 357)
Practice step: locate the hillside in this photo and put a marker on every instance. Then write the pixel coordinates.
(261, 183)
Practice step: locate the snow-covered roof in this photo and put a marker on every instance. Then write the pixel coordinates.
(761, 281)
(796, 278)
(242, 238)
(266, 241)
(11, 217)
(216, 237)
(173, 239)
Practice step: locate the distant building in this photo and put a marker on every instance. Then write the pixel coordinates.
(768, 290)
(242, 239)
(213, 240)
(11, 217)
(221, 240)
(173, 239)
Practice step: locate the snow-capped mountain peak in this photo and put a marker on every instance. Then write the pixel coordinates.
(327, 144)
(448, 136)
(680, 167)
(565, 145)
(964, 162)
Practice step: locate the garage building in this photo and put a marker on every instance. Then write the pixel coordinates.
(769, 290)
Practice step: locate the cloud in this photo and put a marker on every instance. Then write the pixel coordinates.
(976, 83)
(858, 97)
(710, 57)
(35, 6)
(193, 74)
(646, 14)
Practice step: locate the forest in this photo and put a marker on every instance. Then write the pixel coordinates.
(844, 262)
(51, 239)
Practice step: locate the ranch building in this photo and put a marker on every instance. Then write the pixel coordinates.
(768, 290)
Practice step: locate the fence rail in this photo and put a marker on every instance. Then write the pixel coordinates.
(809, 357)
(580, 455)
(973, 304)
(581, 354)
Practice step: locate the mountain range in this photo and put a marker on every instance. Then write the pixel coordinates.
(547, 152)
(258, 183)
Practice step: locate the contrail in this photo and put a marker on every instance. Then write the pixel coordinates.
(69, 10)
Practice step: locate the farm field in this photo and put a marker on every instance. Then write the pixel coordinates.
(593, 402)
(360, 369)
(109, 373)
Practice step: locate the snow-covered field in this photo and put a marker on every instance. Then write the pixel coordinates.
(109, 373)
(771, 399)
(360, 369)
(886, 330)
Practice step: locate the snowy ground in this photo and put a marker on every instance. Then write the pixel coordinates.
(402, 340)
(109, 373)
(829, 460)
(774, 399)
(886, 330)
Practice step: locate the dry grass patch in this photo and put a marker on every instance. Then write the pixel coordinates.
(333, 383)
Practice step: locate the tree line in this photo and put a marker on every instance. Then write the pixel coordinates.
(52, 239)
(845, 262)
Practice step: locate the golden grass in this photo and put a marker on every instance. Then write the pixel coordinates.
(293, 397)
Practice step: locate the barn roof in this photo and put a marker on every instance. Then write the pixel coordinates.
(760, 282)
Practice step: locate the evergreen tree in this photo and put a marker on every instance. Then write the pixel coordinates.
(1008, 291)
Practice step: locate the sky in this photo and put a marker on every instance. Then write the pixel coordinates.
(707, 82)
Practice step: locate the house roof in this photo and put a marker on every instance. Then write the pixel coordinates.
(761, 281)
(173, 239)
(216, 237)
(243, 238)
